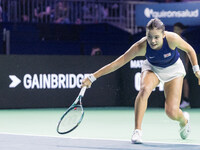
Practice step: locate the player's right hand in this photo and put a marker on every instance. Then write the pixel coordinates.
(86, 82)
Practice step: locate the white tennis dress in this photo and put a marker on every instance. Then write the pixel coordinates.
(168, 73)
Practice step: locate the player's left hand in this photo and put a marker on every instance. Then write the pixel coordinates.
(197, 74)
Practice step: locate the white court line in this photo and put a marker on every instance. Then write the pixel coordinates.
(103, 139)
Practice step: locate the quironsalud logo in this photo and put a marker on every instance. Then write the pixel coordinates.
(148, 12)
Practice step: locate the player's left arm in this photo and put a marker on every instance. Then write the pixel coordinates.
(178, 42)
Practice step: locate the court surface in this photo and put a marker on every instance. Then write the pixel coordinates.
(101, 129)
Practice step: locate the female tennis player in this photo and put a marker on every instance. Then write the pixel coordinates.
(162, 64)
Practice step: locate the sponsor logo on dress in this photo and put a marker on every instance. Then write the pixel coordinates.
(167, 55)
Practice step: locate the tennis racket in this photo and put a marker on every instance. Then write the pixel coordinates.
(73, 116)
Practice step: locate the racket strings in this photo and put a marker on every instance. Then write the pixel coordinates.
(71, 119)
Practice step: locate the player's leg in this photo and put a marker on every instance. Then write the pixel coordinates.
(148, 82)
(173, 90)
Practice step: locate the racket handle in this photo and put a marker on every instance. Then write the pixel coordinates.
(199, 81)
(82, 92)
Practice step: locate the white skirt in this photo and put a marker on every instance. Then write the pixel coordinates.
(168, 73)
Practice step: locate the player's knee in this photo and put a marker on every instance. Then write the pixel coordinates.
(144, 90)
(172, 112)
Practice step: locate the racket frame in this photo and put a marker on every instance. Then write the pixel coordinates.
(78, 99)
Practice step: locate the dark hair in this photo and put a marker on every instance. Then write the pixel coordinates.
(180, 25)
(155, 23)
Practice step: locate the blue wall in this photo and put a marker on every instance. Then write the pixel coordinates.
(66, 39)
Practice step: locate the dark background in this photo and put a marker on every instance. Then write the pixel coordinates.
(115, 89)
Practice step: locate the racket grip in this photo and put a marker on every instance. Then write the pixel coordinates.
(82, 92)
(199, 81)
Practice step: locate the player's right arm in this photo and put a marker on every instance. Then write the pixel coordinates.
(137, 49)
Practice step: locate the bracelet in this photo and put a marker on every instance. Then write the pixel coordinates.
(92, 78)
(195, 68)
